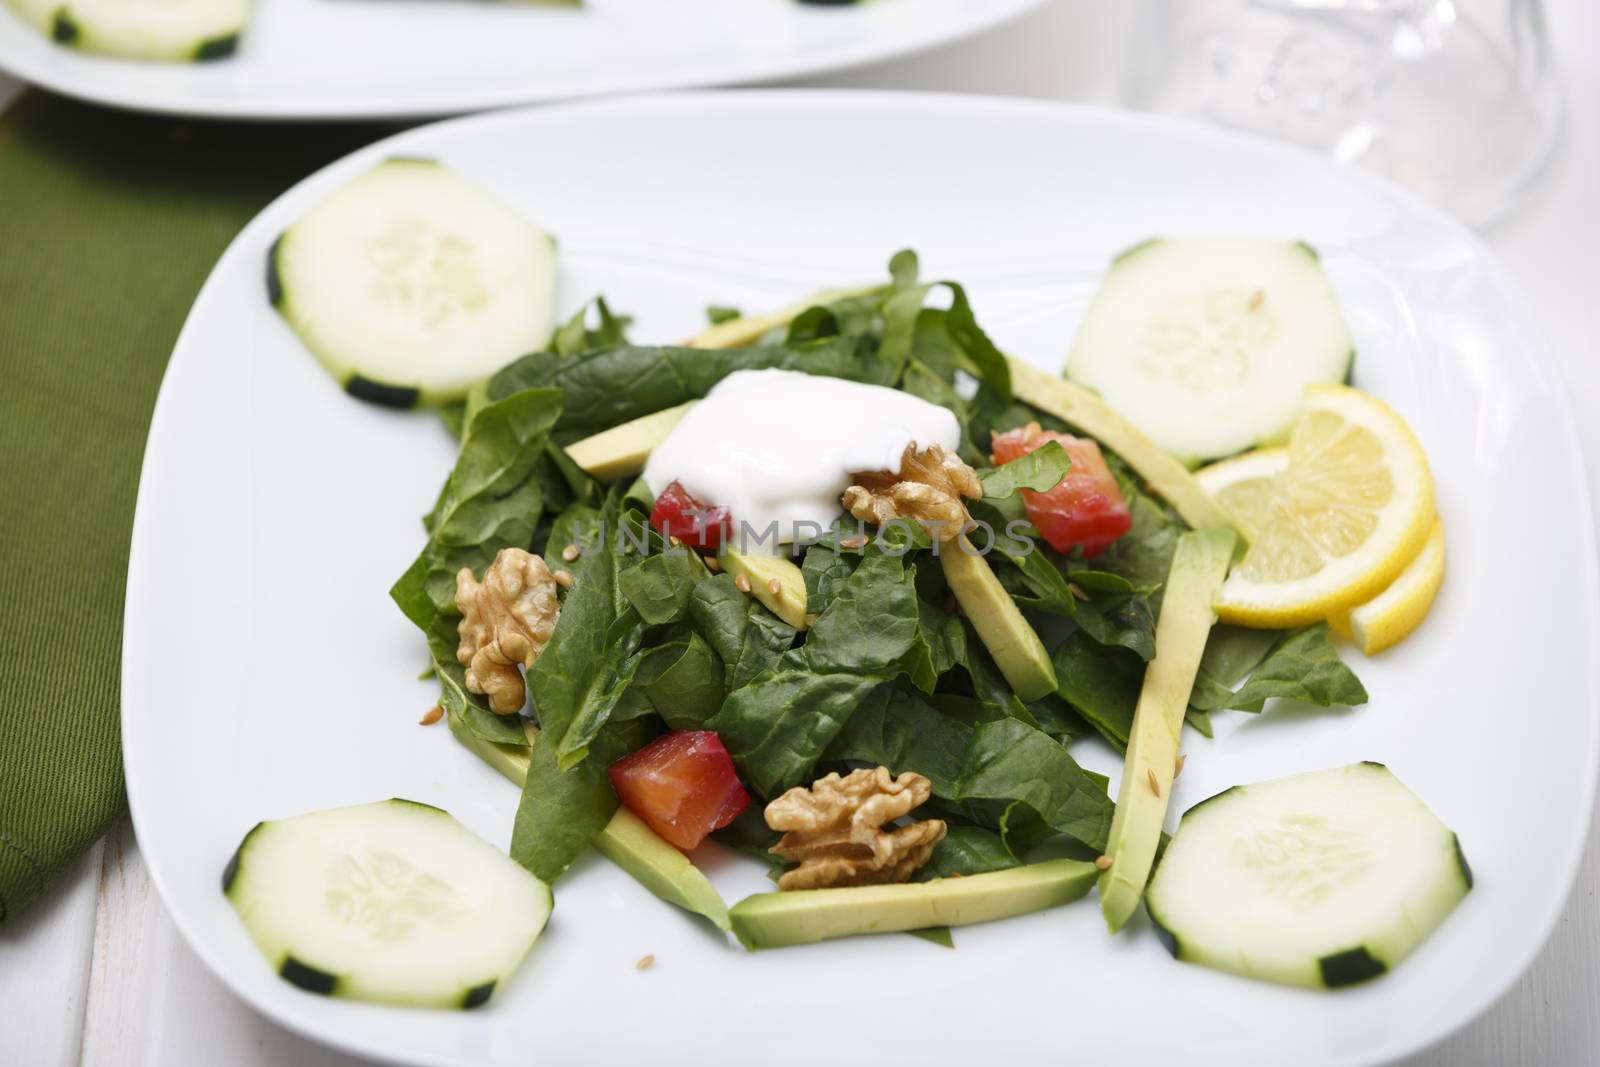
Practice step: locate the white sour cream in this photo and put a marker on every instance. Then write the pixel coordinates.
(777, 447)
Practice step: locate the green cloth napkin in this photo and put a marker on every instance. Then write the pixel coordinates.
(109, 222)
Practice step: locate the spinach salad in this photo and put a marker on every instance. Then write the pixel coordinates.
(888, 674)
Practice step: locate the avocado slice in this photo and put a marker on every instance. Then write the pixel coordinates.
(1016, 648)
(1167, 478)
(625, 841)
(510, 761)
(773, 920)
(659, 867)
(621, 451)
(789, 602)
(1198, 567)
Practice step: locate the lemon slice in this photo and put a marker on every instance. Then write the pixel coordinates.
(1399, 609)
(1333, 518)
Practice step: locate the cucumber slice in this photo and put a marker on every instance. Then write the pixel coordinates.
(1322, 879)
(37, 13)
(182, 30)
(410, 284)
(393, 902)
(1207, 344)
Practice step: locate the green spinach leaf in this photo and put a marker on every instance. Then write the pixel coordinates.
(935, 935)
(660, 585)
(492, 500)
(1120, 620)
(1305, 667)
(576, 336)
(613, 385)
(1102, 683)
(689, 689)
(1003, 761)
(1232, 652)
(875, 625)
(1008, 760)
(1039, 470)
(748, 638)
(1143, 555)
(777, 727)
(594, 651)
(560, 813)
(454, 417)
(825, 568)
(967, 850)
(986, 362)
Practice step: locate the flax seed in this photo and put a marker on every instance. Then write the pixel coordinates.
(432, 715)
(1150, 776)
(774, 586)
(1103, 862)
(1177, 767)
(742, 583)
(645, 963)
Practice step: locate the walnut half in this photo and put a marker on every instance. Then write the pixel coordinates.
(506, 620)
(836, 830)
(928, 489)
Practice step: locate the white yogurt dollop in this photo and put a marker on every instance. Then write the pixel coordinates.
(777, 447)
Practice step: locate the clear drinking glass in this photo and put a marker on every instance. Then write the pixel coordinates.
(1454, 98)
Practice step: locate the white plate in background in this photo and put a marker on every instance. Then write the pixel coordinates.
(342, 59)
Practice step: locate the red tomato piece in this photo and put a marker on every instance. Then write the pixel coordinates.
(679, 514)
(682, 784)
(1086, 510)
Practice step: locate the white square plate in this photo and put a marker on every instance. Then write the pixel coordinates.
(266, 672)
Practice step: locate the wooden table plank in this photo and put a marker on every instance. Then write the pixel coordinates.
(152, 1003)
(44, 971)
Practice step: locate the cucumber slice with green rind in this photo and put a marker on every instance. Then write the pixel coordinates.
(170, 30)
(1206, 344)
(394, 902)
(40, 14)
(1323, 879)
(410, 284)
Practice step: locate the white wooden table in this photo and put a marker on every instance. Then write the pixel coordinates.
(98, 976)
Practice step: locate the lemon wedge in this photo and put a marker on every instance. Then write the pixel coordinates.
(1332, 518)
(1399, 609)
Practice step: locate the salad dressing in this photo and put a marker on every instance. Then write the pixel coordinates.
(777, 448)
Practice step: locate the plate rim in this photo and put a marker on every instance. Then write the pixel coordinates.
(1538, 352)
(982, 18)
